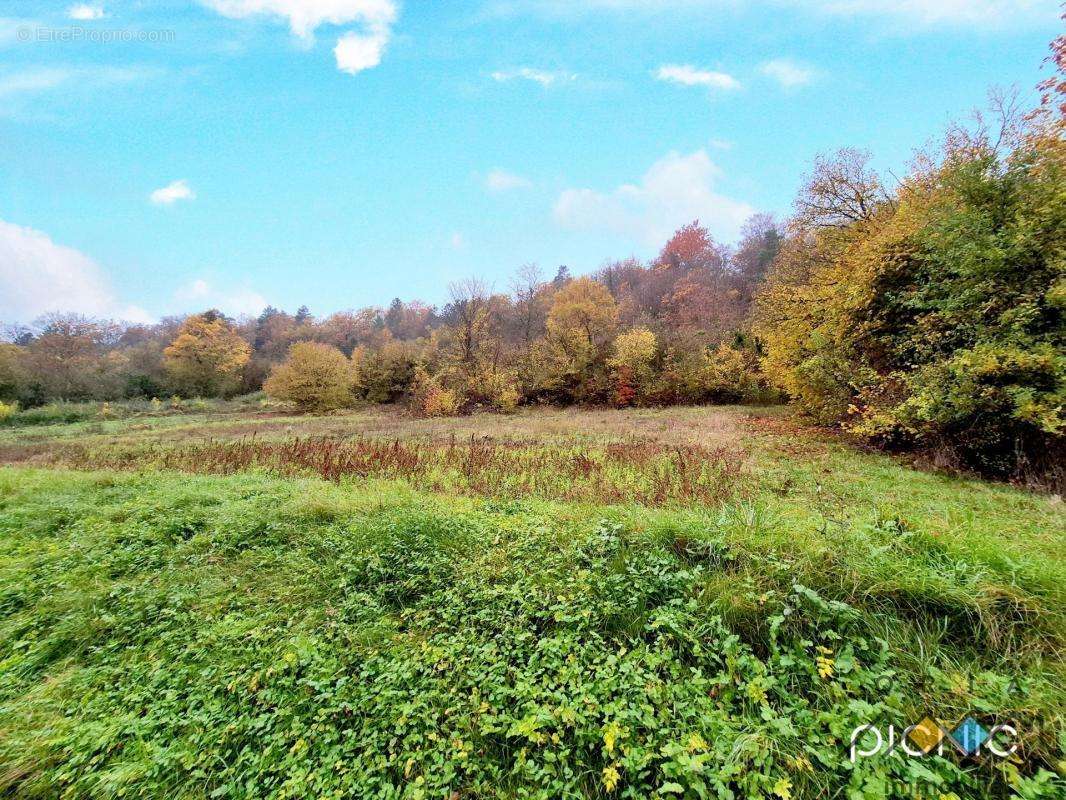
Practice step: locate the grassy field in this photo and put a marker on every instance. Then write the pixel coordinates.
(227, 600)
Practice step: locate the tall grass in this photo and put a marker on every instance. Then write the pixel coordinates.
(245, 636)
(62, 412)
(634, 471)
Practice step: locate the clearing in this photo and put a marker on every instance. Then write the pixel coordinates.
(230, 601)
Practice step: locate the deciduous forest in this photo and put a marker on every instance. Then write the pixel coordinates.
(919, 313)
(714, 524)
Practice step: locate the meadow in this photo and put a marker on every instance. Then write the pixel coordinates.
(230, 600)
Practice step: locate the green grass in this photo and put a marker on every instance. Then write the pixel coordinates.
(68, 413)
(166, 634)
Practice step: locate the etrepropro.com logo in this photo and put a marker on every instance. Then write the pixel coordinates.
(969, 738)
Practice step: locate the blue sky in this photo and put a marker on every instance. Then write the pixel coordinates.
(161, 157)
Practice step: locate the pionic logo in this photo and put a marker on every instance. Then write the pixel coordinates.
(969, 738)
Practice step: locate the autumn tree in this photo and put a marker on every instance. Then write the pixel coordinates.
(408, 320)
(316, 377)
(704, 310)
(631, 360)
(530, 308)
(580, 325)
(272, 333)
(583, 312)
(691, 247)
(207, 356)
(1053, 89)
(933, 318)
(142, 349)
(386, 373)
(347, 330)
(12, 374)
(760, 240)
(469, 314)
(73, 358)
(840, 190)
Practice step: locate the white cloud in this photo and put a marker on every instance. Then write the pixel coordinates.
(355, 50)
(675, 190)
(687, 75)
(40, 276)
(500, 180)
(199, 295)
(84, 12)
(721, 144)
(172, 192)
(543, 77)
(305, 16)
(456, 241)
(787, 72)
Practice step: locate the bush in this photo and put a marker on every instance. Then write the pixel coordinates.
(498, 389)
(634, 351)
(7, 409)
(723, 375)
(439, 402)
(51, 414)
(386, 374)
(507, 398)
(12, 375)
(431, 399)
(316, 377)
(937, 322)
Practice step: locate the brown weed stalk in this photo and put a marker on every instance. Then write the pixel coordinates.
(639, 471)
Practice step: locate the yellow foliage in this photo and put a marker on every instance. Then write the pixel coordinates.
(584, 312)
(635, 349)
(439, 402)
(316, 377)
(207, 356)
(611, 735)
(611, 777)
(431, 399)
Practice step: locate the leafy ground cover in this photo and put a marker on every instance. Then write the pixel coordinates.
(259, 634)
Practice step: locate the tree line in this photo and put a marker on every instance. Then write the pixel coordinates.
(923, 314)
(671, 330)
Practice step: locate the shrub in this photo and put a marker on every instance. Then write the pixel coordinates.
(7, 409)
(52, 413)
(507, 397)
(634, 351)
(316, 377)
(439, 402)
(935, 322)
(431, 399)
(12, 375)
(625, 390)
(499, 390)
(386, 374)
